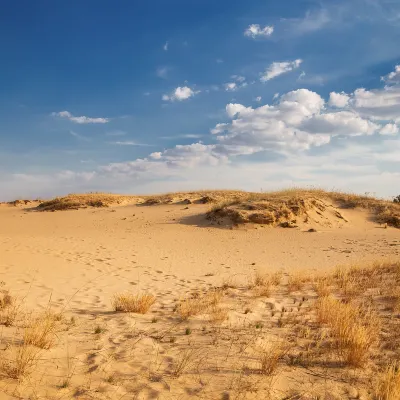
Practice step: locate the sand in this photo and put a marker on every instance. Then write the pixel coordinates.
(76, 260)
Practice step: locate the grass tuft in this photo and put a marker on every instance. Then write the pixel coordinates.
(139, 303)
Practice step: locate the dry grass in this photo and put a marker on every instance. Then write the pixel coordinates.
(353, 329)
(19, 361)
(322, 286)
(184, 361)
(42, 330)
(285, 206)
(388, 384)
(271, 355)
(9, 309)
(296, 282)
(218, 314)
(139, 303)
(193, 306)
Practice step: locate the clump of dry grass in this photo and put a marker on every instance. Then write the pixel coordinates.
(184, 361)
(270, 355)
(6, 300)
(263, 284)
(322, 286)
(353, 329)
(19, 361)
(127, 302)
(218, 314)
(9, 308)
(387, 385)
(42, 330)
(192, 306)
(296, 282)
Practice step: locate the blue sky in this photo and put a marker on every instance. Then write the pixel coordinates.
(163, 95)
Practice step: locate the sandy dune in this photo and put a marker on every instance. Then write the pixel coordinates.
(76, 260)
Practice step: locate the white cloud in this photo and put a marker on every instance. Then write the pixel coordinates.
(389, 129)
(258, 98)
(279, 68)
(230, 87)
(180, 94)
(339, 100)
(165, 47)
(378, 104)
(311, 22)
(129, 143)
(286, 129)
(238, 78)
(394, 76)
(78, 136)
(80, 120)
(255, 30)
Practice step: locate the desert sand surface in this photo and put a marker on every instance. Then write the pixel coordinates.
(71, 263)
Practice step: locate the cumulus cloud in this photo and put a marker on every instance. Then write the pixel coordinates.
(255, 30)
(389, 129)
(287, 129)
(279, 68)
(80, 120)
(393, 76)
(339, 100)
(180, 94)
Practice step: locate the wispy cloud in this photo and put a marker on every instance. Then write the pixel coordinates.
(186, 136)
(129, 143)
(166, 45)
(255, 30)
(311, 22)
(116, 133)
(279, 68)
(78, 136)
(162, 72)
(80, 120)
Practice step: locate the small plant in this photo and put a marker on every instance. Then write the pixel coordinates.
(126, 302)
(98, 330)
(184, 361)
(9, 309)
(388, 383)
(259, 325)
(154, 320)
(188, 331)
(269, 357)
(20, 361)
(42, 329)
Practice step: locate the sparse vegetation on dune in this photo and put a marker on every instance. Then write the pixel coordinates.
(284, 208)
(287, 208)
(337, 333)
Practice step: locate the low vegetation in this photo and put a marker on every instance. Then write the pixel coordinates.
(267, 336)
(134, 303)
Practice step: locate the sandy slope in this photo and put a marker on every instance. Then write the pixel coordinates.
(78, 259)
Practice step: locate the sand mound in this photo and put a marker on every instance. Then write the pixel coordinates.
(301, 207)
(284, 213)
(77, 201)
